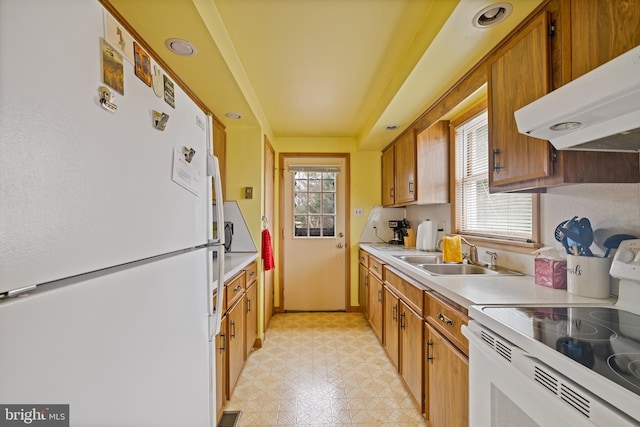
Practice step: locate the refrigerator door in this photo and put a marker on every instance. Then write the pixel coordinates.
(129, 348)
(84, 188)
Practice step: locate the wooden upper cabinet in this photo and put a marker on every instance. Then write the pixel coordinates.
(405, 161)
(602, 30)
(388, 177)
(432, 152)
(518, 75)
(563, 41)
(399, 171)
(220, 151)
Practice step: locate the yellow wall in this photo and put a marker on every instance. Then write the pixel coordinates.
(245, 146)
(244, 169)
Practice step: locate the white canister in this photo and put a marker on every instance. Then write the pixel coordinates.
(588, 276)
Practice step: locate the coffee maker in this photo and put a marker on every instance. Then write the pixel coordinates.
(399, 228)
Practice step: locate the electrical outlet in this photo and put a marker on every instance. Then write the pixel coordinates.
(358, 212)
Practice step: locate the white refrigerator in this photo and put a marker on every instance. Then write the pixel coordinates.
(107, 265)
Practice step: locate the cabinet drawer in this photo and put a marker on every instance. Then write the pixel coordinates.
(364, 258)
(235, 288)
(448, 321)
(409, 293)
(251, 273)
(375, 266)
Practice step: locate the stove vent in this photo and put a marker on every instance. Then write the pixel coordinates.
(498, 346)
(575, 399)
(569, 394)
(546, 379)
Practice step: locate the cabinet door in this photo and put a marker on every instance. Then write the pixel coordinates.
(411, 360)
(375, 305)
(602, 30)
(405, 164)
(235, 344)
(363, 289)
(251, 319)
(518, 75)
(432, 152)
(447, 373)
(221, 369)
(220, 151)
(388, 177)
(391, 329)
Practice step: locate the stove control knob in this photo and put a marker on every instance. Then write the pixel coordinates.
(625, 255)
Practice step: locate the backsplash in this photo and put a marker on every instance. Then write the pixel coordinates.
(611, 208)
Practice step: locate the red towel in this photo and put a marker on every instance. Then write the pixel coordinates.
(267, 251)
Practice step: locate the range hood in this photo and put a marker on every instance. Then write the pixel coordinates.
(598, 111)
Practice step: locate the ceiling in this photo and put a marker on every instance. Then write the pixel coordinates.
(320, 68)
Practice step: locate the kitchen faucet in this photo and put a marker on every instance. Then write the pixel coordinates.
(473, 252)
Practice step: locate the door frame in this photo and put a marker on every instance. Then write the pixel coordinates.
(347, 222)
(269, 212)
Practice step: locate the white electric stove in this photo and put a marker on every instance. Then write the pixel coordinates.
(559, 366)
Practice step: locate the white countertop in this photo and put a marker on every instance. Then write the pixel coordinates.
(234, 262)
(477, 289)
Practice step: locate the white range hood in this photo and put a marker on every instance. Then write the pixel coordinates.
(598, 111)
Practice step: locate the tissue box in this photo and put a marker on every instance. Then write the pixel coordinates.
(551, 273)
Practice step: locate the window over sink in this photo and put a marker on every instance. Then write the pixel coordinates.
(503, 216)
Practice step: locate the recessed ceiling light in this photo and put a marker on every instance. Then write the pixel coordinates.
(234, 116)
(181, 47)
(391, 127)
(492, 15)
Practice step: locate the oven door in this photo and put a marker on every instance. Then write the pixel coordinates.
(509, 388)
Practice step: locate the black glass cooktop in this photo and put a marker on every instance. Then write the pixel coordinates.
(606, 340)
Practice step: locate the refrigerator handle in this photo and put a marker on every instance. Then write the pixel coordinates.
(216, 315)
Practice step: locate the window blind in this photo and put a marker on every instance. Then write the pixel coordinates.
(501, 215)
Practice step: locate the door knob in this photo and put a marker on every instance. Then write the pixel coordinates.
(340, 245)
(341, 234)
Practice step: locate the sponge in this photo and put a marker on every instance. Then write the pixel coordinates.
(451, 249)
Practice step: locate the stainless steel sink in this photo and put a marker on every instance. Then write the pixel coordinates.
(456, 269)
(432, 264)
(420, 259)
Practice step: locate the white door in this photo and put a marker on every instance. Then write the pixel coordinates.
(314, 234)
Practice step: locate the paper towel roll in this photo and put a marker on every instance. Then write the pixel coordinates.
(420, 237)
(428, 236)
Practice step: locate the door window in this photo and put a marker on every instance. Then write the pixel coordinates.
(314, 204)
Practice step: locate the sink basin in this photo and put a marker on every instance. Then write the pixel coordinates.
(457, 269)
(432, 264)
(420, 259)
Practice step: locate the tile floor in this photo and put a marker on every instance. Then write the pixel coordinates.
(322, 369)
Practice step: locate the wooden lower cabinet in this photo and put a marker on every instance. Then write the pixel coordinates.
(375, 305)
(235, 343)
(363, 289)
(411, 360)
(251, 306)
(391, 327)
(446, 381)
(220, 350)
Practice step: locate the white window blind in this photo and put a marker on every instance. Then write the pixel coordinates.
(500, 215)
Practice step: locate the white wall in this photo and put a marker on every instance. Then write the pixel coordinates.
(611, 208)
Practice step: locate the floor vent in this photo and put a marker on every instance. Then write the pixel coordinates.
(230, 419)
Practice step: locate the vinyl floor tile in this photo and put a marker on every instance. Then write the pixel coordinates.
(322, 369)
